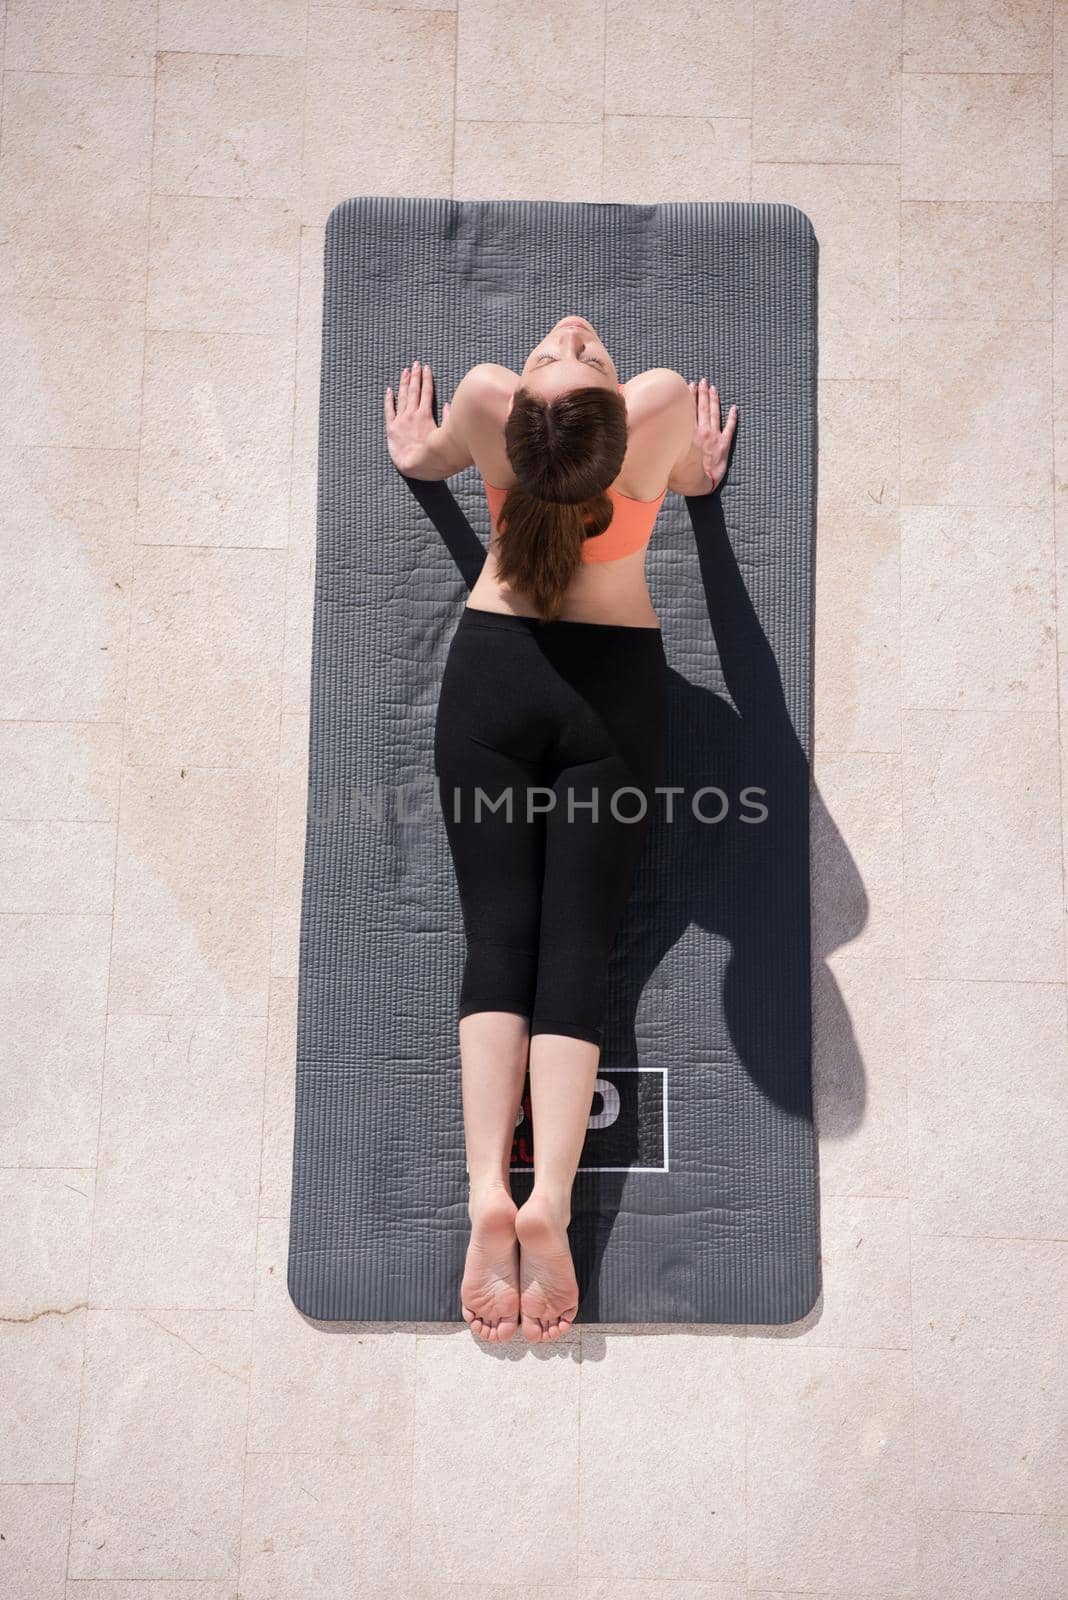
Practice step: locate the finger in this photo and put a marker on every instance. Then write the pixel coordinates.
(389, 405)
(702, 403)
(402, 390)
(732, 421)
(413, 387)
(713, 405)
(427, 392)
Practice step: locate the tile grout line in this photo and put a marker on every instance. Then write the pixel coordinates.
(1053, 397)
(899, 963)
(455, 97)
(67, 1575)
(603, 118)
(288, 547)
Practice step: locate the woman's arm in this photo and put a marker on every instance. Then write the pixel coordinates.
(417, 447)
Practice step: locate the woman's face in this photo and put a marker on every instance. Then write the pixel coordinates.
(569, 357)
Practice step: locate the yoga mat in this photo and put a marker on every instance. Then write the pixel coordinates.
(696, 1198)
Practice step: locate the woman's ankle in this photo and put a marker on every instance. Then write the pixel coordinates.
(556, 1197)
(489, 1183)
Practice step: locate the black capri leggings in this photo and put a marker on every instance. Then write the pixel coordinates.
(549, 742)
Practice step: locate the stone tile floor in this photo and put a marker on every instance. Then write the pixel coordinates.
(172, 1428)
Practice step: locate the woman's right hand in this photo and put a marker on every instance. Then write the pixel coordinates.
(410, 424)
(713, 441)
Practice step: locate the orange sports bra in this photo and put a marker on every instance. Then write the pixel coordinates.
(630, 529)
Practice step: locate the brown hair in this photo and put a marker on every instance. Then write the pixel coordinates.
(565, 452)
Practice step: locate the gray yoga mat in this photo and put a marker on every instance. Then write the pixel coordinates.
(696, 1199)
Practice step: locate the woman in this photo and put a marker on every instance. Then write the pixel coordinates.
(549, 744)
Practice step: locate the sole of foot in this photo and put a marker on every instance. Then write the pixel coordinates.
(548, 1288)
(489, 1290)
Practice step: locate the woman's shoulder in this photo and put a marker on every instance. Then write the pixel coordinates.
(487, 390)
(659, 422)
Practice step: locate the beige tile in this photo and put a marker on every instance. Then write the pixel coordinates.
(975, 136)
(864, 1256)
(681, 1435)
(309, 350)
(36, 1521)
(179, 1159)
(53, 992)
(858, 443)
(962, 36)
(964, 1554)
(523, 63)
(826, 82)
(335, 1527)
(854, 212)
(860, 1077)
(982, 863)
(614, 1588)
(228, 125)
(331, 1389)
(987, 1101)
(81, 36)
(205, 659)
(516, 1412)
(46, 1226)
(857, 630)
(279, 1110)
(1060, 77)
(290, 843)
(856, 855)
(824, 1594)
(170, 1387)
(337, 29)
(217, 439)
(528, 161)
(991, 1317)
(300, 571)
(978, 609)
(1062, 672)
(244, 27)
(969, 259)
(223, 266)
(40, 1380)
(975, 413)
(651, 159)
(74, 169)
(72, 371)
(829, 1468)
(65, 567)
(160, 1589)
(1060, 388)
(193, 892)
(697, 61)
(57, 866)
(300, 594)
(60, 771)
(354, 140)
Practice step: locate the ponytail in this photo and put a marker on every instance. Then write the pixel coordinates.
(565, 452)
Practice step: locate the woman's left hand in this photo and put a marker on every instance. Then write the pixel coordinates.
(410, 422)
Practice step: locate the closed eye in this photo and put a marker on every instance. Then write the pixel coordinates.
(594, 361)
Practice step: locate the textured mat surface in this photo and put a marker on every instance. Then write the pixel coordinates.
(696, 1200)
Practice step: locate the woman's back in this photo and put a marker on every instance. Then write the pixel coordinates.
(610, 584)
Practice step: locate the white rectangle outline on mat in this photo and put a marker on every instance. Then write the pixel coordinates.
(664, 1114)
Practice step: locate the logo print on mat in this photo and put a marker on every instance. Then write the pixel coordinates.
(627, 1127)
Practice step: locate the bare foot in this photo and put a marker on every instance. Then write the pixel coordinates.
(489, 1292)
(548, 1288)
